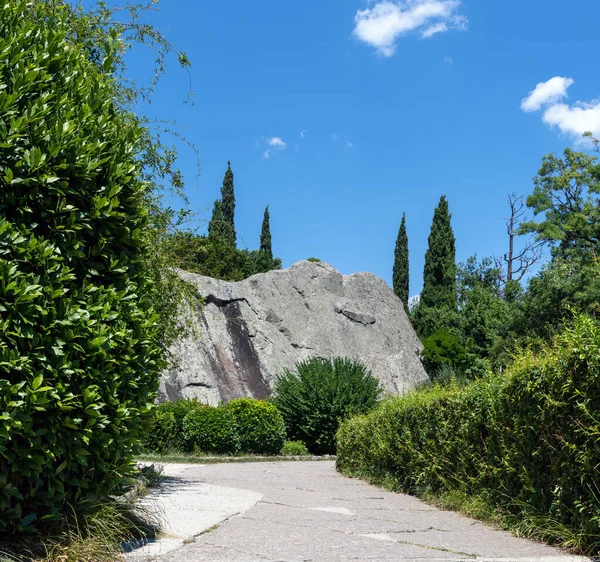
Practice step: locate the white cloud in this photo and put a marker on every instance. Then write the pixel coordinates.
(275, 144)
(546, 93)
(449, 60)
(302, 133)
(576, 119)
(572, 120)
(435, 28)
(382, 24)
(349, 145)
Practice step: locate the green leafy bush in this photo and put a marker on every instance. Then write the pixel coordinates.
(78, 352)
(443, 348)
(294, 449)
(211, 431)
(319, 395)
(165, 433)
(259, 425)
(528, 443)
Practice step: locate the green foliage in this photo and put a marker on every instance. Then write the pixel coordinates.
(79, 354)
(528, 443)
(165, 433)
(216, 224)
(259, 424)
(211, 431)
(105, 34)
(563, 285)
(294, 449)
(567, 194)
(401, 266)
(315, 260)
(222, 225)
(96, 535)
(217, 255)
(258, 428)
(485, 314)
(319, 395)
(214, 256)
(265, 236)
(438, 297)
(566, 202)
(264, 261)
(443, 348)
(228, 205)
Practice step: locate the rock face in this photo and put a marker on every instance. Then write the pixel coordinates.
(248, 332)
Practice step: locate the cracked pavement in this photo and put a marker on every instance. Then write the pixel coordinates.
(305, 511)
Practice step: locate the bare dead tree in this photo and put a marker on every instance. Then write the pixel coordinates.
(518, 262)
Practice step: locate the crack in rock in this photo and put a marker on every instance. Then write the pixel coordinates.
(301, 346)
(198, 385)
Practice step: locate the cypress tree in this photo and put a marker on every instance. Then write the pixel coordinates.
(265, 236)
(439, 273)
(400, 274)
(264, 260)
(215, 226)
(228, 205)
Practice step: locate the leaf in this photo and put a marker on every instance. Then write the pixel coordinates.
(26, 521)
(37, 382)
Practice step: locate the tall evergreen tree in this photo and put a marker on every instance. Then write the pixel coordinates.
(228, 205)
(215, 226)
(438, 303)
(265, 236)
(400, 274)
(439, 273)
(264, 260)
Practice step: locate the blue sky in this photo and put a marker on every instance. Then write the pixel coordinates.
(341, 115)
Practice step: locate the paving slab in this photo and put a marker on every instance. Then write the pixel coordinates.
(185, 508)
(306, 511)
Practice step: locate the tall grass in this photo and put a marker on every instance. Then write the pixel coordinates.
(93, 535)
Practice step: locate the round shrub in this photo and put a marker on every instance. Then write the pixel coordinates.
(260, 426)
(319, 395)
(165, 432)
(211, 431)
(294, 449)
(442, 348)
(79, 358)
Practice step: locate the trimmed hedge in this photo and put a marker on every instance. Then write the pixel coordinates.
(211, 431)
(242, 426)
(260, 426)
(79, 357)
(165, 433)
(527, 443)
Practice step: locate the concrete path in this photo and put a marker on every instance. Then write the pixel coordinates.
(305, 511)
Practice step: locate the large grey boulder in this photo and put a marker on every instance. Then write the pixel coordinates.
(248, 332)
